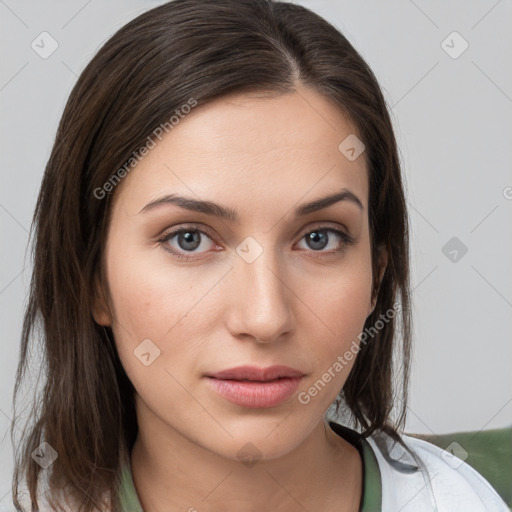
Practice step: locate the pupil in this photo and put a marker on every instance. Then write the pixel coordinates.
(190, 237)
(317, 238)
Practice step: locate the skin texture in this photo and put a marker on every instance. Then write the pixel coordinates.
(262, 155)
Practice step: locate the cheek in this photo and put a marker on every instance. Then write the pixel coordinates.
(344, 297)
(163, 303)
(151, 296)
(150, 310)
(340, 308)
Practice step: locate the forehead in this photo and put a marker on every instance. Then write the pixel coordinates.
(244, 146)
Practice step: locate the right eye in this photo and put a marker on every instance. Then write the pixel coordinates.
(187, 242)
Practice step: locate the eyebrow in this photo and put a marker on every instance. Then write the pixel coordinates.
(210, 208)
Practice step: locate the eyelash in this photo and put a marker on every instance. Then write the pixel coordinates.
(347, 240)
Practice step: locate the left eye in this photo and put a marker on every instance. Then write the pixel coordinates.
(318, 238)
(189, 240)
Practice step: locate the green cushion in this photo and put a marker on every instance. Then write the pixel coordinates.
(489, 452)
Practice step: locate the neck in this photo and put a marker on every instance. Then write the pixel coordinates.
(172, 472)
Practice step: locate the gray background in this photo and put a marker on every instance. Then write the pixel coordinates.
(453, 119)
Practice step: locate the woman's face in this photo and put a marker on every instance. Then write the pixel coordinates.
(272, 284)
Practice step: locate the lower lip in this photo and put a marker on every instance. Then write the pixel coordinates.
(256, 394)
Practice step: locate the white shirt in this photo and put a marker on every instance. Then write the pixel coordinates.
(432, 480)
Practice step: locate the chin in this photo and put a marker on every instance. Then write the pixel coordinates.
(262, 437)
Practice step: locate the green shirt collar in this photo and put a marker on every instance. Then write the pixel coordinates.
(372, 486)
(371, 500)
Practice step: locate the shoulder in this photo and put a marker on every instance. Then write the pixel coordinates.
(426, 477)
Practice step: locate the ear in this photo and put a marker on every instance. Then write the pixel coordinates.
(382, 264)
(99, 308)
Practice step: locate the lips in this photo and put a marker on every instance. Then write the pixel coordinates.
(256, 374)
(253, 387)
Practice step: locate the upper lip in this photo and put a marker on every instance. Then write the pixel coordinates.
(256, 374)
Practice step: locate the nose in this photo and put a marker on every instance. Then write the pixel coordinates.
(261, 304)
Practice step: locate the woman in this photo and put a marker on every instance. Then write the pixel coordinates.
(221, 253)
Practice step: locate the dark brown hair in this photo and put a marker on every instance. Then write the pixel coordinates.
(151, 67)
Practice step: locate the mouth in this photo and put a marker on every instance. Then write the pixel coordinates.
(253, 387)
(251, 373)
